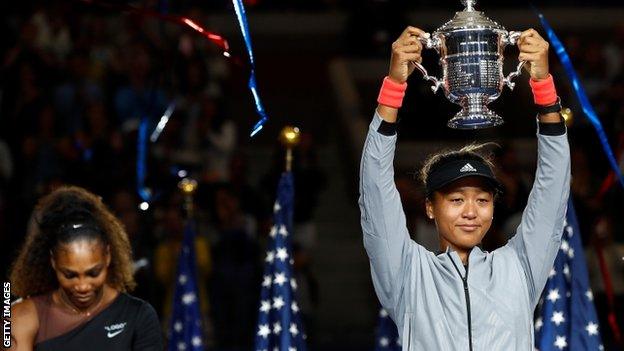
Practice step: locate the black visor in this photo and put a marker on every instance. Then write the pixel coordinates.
(449, 171)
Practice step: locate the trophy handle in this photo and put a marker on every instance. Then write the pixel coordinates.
(511, 38)
(509, 79)
(428, 43)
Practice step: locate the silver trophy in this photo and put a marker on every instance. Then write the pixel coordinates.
(471, 55)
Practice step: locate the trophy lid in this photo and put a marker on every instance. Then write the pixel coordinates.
(469, 18)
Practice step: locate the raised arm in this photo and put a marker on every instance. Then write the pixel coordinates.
(538, 236)
(386, 238)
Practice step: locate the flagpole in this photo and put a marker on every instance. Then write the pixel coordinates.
(188, 187)
(185, 327)
(280, 320)
(289, 137)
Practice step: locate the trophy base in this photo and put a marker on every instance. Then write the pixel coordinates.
(475, 114)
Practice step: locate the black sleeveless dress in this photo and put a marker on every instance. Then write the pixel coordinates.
(128, 323)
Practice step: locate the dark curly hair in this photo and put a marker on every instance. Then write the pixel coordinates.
(68, 214)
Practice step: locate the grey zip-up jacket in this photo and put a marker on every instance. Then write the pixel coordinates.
(436, 303)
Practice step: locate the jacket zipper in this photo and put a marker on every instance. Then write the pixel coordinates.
(409, 335)
(467, 294)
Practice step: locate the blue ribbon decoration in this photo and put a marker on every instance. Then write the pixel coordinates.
(244, 26)
(141, 168)
(580, 93)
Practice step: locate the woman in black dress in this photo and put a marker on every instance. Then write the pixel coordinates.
(73, 274)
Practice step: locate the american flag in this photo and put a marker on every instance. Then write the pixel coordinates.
(279, 319)
(566, 318)
(185, 331)
(387, 335)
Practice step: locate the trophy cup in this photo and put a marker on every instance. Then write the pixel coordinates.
(471, 47)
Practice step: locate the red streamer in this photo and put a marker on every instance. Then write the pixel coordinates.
(215, 38)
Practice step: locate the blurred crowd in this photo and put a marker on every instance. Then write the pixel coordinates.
(79, 84)
(83, 91)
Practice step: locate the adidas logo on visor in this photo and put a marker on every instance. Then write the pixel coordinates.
(468, 168)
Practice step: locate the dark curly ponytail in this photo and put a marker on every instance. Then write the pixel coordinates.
(64, 216)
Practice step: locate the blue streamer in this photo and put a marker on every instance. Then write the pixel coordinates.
(141, 169)
(242, 21)
(580, 93)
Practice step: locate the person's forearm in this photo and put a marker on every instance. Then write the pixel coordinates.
(389, 114)
(386, 238)
(539, 233)
(554, 117)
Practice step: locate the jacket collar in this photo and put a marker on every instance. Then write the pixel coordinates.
(475, 255)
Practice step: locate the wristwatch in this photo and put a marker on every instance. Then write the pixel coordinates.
(555, 107)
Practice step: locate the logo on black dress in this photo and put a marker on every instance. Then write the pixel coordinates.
(115, 329)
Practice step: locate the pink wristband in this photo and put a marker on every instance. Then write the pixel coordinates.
(391, 94)
(544, 92)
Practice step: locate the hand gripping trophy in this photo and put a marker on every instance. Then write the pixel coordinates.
(471, 55)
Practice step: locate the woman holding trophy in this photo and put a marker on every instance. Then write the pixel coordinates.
(463, 298)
